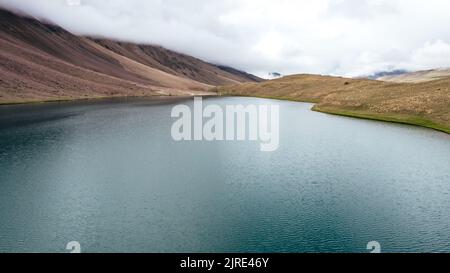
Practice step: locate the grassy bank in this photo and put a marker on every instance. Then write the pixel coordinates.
(409, 120)
(424, 104)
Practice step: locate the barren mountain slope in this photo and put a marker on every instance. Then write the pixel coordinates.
(40, 62)
(178, 64)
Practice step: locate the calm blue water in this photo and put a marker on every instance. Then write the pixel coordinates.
(109, 175)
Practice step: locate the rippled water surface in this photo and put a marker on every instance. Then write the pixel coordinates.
(109, 175)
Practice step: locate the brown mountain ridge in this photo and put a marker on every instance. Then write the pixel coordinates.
(43, 62)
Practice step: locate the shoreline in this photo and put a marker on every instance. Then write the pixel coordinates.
(95, 99)
(411, 120)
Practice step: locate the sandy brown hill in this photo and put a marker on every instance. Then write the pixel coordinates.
(39, 62)
(425, 104)
(307, 88)
(178, 64)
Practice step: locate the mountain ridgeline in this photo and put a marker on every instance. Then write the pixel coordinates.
(44, 62)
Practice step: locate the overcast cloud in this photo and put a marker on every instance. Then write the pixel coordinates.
(338, 37)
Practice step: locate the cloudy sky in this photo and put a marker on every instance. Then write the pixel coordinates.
(337, 37)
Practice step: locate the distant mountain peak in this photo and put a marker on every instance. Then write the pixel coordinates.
(381, 74)
(416, 76)
(274, 75)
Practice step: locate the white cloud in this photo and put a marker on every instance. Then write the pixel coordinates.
(339, 37)
(431, 55)
(73, 2)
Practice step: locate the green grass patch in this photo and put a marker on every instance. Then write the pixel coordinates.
(403, 119)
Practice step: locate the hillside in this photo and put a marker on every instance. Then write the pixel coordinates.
(306, 88)
(417, 77)
(425, 104)
(42, 62)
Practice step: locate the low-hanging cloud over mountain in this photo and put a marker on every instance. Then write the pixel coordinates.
(339, 37)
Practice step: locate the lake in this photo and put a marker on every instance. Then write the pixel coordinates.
(108, 175)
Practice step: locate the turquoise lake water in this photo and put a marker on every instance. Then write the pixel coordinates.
(108, 175)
